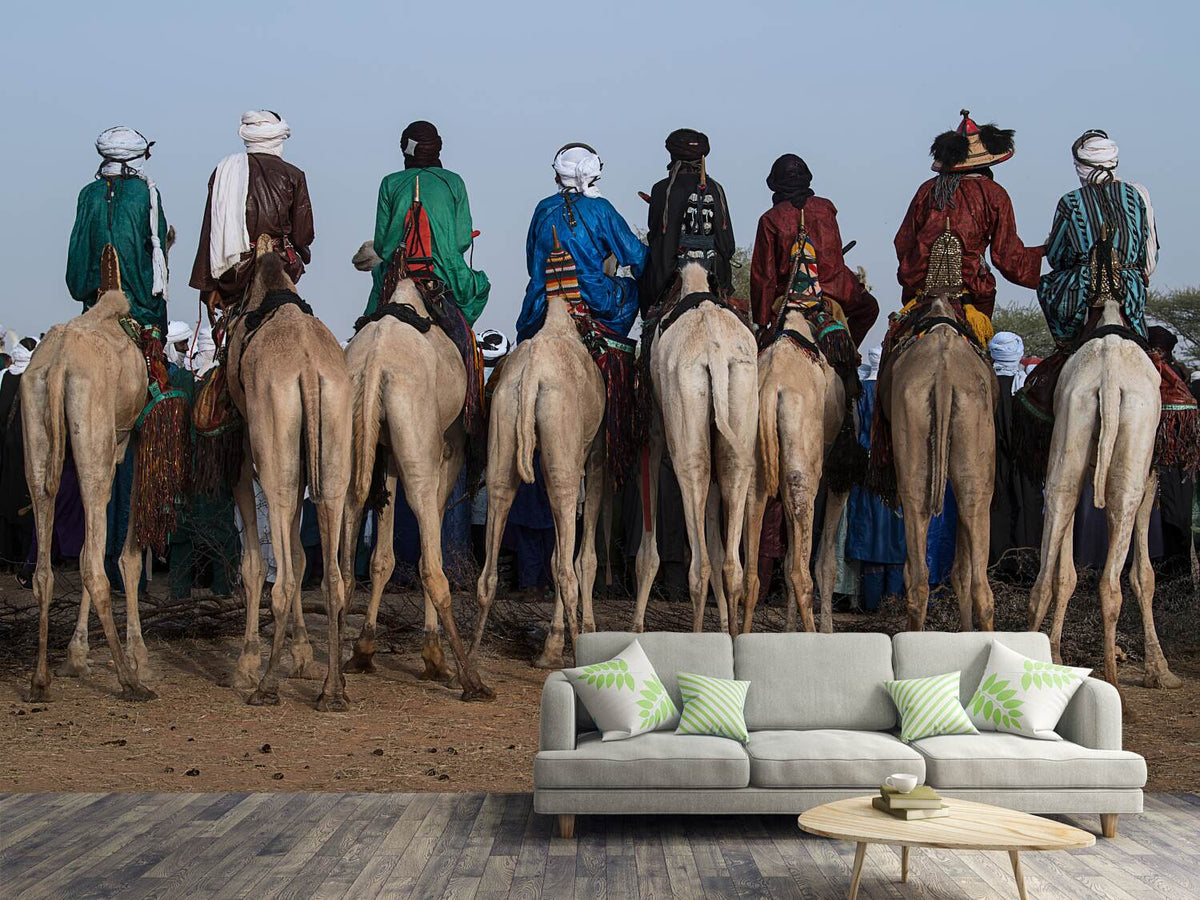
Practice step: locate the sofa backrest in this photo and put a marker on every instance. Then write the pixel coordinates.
(816, 680)
(919, 654)
(669, 652)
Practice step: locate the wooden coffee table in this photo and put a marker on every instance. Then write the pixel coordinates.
(970, 826)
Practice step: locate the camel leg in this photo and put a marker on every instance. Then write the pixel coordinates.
(551, 654)
(1057, 576)
(716, 560)
(756, 507)
(827, 562)
(502, 490)
(95, 492)
(130, 564)
(76, 663)
(330, 513)
(647, 555)
(423, 498)
(1121, 513)
(562, 487)
(280, 513)
(799, 500)
(302, 652)
(383, 563)
(1141, 579)
(245, 675)
(43, 588)
(916, 571)
(593, 500)
(453, 455)
(694, 486)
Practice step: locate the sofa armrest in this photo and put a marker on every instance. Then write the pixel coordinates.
(1093, 717)
(558, 714)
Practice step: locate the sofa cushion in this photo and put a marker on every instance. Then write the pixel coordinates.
(816, 680)
(1023, 696)
(624, 695)
(828, 758)
(668, 651)
(994, 760)
(918, 654)
(654, 760)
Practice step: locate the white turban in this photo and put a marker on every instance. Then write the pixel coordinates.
(178, 331)
(578, 170)
(873, 357)
(1007, 350)
(1096, 156)
(20, 359)
(263, 131)
(124, 149)
(493, 345)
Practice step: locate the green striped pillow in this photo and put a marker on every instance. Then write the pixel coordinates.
(713, 706)
(929, 706)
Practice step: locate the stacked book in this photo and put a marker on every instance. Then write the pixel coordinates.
(922, 802)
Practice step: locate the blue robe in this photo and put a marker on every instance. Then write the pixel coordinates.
(599, 231)
(1063, 292)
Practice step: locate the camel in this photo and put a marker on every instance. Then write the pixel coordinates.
(1106, 411)
(548, 395)
(940, 397)
(408, 390)
(86, 384)
(288, 380)
(801, 408)
(704, 372)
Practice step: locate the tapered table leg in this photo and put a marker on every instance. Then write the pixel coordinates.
(856, 875)
(1016, 864)
(904, 865)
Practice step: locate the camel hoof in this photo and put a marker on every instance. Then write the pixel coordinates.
(73, 669)
(39, 693)
(263, 698)
(137, 693)
(359, 663)
(302, 660)
(477, 693)
(332, 704)
(544, 661)
(1165, 680)
(436, 673)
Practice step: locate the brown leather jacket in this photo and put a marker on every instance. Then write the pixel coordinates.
(277, 204)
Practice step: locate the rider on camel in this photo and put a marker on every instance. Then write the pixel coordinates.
(588, 227)
(443, 199)
(252, 194)
(122, 207)
(771, 270)
(965, 200)
(684, 219)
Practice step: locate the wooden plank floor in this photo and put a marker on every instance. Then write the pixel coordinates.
(494, 845)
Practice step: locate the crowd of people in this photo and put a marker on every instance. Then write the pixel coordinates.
(424, 226)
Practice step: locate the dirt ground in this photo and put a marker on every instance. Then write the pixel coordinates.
(401, 734)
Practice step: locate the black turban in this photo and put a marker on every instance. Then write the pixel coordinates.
(1161, 339)
(790, 180)
(687, 144)
(421, 145)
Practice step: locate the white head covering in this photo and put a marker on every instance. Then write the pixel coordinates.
(1096, 156)
(178, 331)
(873, 357)
(1007, 350)
(578, 170)
(493, 345)
(20, 359)
(125, 150)
(264, 131)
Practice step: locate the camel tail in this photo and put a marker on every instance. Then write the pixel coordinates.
(940, 400)
(366, 432)
(718, 378)
(768, 440)
(310, 400)
(1110, 417)
(56, 421)
(527, 392)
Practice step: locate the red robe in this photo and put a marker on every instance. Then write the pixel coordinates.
(982, 215)
(771, 266)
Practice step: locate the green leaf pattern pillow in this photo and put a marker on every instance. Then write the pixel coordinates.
(1023, 696)
(624, 695)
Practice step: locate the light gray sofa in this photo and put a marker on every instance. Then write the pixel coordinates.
(823, 728)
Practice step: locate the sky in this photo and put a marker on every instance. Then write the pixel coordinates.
(858, 89)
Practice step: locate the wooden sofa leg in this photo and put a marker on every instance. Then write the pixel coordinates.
(566, 826)
(1108, 824)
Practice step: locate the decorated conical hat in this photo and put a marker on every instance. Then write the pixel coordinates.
(971, 146)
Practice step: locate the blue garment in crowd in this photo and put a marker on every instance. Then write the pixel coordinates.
(599, 231)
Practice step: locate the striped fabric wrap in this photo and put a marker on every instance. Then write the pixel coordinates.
(713, 706)
(929, 706)
(562, 278)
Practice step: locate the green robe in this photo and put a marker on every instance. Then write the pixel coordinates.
(444, 197)
(115, 210)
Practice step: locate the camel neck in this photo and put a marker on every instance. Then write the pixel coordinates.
(558, 315)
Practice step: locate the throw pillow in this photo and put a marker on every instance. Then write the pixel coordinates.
(713, 706)
(1023, 696)
(624, 695)
(929, 706)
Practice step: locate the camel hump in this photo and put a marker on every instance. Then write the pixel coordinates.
(110, 269)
